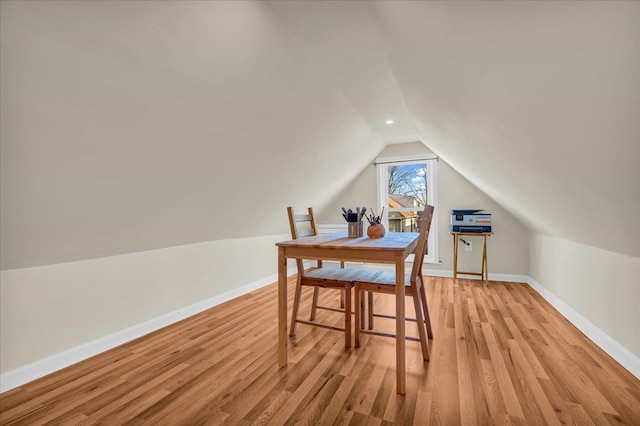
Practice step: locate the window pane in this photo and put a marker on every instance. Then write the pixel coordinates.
(405, 221)
(407, 186)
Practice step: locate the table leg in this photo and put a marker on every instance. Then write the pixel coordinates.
(282, 308)
(455, 257)
(485, 267)
(347, 316)
(358, 317)
(401, 373)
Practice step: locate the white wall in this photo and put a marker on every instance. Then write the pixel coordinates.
(133, 126)
(51, 309)
(600, 285)
(507, 249)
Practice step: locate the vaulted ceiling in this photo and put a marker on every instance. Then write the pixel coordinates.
(130, 126)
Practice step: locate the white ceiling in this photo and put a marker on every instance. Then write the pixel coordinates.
(129, 126)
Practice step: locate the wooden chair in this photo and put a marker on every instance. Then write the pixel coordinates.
(321, 277)
(384, 282)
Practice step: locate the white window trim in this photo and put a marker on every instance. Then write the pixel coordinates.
(432, 255)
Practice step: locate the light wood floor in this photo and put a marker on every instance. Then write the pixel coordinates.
(500, 355)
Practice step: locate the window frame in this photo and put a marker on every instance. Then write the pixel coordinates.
(382, 183)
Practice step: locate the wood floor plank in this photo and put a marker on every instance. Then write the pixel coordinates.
(465, 384)
(183, 403)
(477, 378)
(541, 400)
(16, 414)
(60, 408)
(445, 401)
(136, 405)
(242, 398)
(339, 403)
(423, 409)
(307, 389)
(118, 404)
(78, 420)
(505, 384)
(532, 360)
(385, 390)
(359, 383)
(579, 415)
(500, 355)
(588, 392)
(13, 398)
(314, 412)
(560, 406)
(492, 395)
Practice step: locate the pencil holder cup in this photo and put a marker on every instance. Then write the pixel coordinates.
(352, 229)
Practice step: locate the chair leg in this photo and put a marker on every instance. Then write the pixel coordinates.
(347, 316)
(359, 304)
(425, 306)
(363, 311)
(314, 303)
(370, 312)
(296, 309)
(422, 332)
(342, 292)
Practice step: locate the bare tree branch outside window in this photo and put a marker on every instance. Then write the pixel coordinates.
(409, 181)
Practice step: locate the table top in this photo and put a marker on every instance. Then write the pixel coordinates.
(392, 241)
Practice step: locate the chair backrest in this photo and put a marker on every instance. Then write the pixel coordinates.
(295, 219)
(425, 226)
(298, 232)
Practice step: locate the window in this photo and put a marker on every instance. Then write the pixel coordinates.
(405, 185)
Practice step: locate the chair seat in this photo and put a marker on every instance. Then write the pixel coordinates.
(383, 278)
(335, 277)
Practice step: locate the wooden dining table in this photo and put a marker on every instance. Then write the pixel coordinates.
(393, 248)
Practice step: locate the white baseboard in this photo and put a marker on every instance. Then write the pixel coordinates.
(615, 350)
(19, 376)
(512, 278)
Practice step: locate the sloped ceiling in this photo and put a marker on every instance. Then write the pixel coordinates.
(537, 103)
(131, 126)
